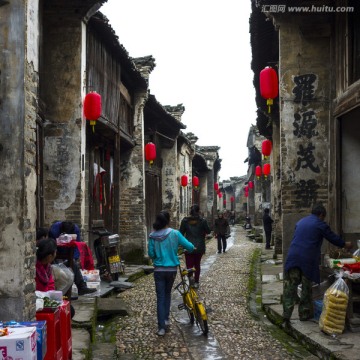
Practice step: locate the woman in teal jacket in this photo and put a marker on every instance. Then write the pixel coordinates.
(162, 249)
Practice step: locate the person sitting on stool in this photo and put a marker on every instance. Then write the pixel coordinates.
(78, 278)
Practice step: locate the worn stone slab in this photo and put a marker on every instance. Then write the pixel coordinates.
(122, 284)
(102, 351)
(85, 312)
(112, 306)
(80, 344)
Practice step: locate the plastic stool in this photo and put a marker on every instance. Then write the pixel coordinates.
(65, 326)
(52, 318)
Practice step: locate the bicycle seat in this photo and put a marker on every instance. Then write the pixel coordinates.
(188, 271)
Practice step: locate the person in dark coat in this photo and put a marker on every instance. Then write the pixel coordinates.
(221, 228)
(267, 224)
(303, 261)
(195, 228)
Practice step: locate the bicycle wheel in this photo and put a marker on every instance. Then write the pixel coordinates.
(189, 304)
(201, 317)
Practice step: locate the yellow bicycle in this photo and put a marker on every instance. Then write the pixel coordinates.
(191, 301)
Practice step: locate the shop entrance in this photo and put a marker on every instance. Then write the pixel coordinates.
(350, 175)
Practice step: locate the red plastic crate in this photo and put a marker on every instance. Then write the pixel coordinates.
(65, 327)
(52, 318)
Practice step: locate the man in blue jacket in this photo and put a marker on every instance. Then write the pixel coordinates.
(303, 261)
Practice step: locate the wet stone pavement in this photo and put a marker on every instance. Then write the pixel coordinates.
(233, 332)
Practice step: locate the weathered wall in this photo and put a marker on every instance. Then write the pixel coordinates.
(18, 108)
(61, 92)
(184, 166)
(304, 115)
(132, 192)
(170, 183)
(276, 210)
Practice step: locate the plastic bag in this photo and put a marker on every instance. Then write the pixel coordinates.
(63, 276)
(333, 315)
(356, 255)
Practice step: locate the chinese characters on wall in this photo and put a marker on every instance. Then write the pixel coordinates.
(305, 124)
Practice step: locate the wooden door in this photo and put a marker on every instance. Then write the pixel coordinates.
(153, 201)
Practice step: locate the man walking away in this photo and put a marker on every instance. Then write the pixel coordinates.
(267, 224)
(221, 227)
(195, 228)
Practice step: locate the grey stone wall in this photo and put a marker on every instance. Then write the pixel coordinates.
(132, 198)
(18, 108)
(170, 184)
(61, 92)
(304, 115)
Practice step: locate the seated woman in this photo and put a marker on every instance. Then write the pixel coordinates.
(45, 255)
(68, 227)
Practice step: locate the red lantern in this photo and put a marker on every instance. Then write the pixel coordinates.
(269, 87)
(184, 180)
(216, 186)
(251, 185)
(220, 194)
(266, 170)
(150, 152)
(266, 148)
(195, 181)
(246, 189)
(258, 171)
(224, 202)
(92, 107)
(232, 199)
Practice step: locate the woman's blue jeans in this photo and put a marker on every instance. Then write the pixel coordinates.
(164, 281)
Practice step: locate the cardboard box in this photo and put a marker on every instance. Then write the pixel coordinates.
(20, 344)
(94, 285)
(41, 336)
(91, 275)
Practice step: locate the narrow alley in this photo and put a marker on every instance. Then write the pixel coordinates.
(233, 332)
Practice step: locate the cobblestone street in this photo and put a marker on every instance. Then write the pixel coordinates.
(233, 333)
